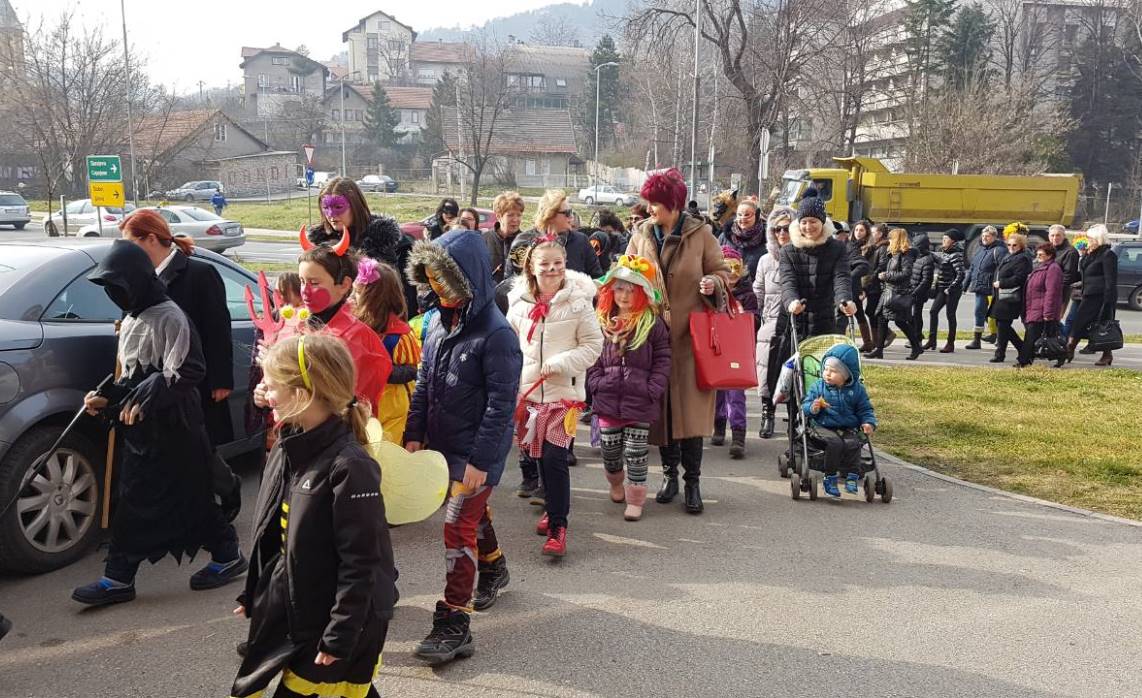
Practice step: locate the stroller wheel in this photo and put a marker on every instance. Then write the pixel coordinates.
(886, 495)
(795, 485)
(814, 485)
(869, 488)
(783, 464)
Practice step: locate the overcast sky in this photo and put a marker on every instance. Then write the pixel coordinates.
(184, 42)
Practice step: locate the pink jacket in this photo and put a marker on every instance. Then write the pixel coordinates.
(1044, 293)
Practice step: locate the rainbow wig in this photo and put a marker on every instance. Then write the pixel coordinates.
(630, 330)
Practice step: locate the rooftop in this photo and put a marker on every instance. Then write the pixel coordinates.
(157, 135)
(8, 17)
(522, 131)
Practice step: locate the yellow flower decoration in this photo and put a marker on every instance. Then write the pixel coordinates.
(1016, 227)
(636, 263)
(303, 314)
(288, 312)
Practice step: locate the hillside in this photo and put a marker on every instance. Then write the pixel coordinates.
(586, 22)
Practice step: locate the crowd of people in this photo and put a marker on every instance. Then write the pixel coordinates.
(471, 342)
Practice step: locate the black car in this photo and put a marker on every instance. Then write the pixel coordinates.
(57, 341)
(1129, 273)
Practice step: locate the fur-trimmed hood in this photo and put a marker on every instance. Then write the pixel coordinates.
(576, 287)
(459, 262)
(778, 212)
(800, 242)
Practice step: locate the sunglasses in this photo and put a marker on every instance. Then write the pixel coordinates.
(780, 229)
(566, 212)
(334, 205)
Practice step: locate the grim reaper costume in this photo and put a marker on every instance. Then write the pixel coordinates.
(164, 503)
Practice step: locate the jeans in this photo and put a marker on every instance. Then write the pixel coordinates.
(729, 406)
(982, 304)
(556, 483)
(949, 298)
(1071, 313)
(467, 531)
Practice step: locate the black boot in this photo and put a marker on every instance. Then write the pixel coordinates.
(974, 343)
(719, 437)
(692, 473)
(767, 423)
(693, 498)
(990, 338)
(671, 456)
(737, 444)
(493, 577)
(449, 638)
(931, 345)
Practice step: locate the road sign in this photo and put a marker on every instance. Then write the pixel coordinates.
(309, 175)
(104, 168)
(106, 194)
(308, 150)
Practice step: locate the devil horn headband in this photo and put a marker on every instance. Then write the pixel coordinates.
(339, 249)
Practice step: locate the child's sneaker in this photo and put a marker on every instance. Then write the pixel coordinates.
(831, 486)
(852, 481)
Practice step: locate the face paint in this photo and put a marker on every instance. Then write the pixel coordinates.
(446, 300)
(334, 205)
(315, 298)
(735, 266)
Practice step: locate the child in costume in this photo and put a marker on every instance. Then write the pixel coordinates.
(629, 380)
(551, 311)
(320, 591)
(462, 407)
(165, 504)
(289, 287)
(729, 405)
(838, 409)
(380, 304)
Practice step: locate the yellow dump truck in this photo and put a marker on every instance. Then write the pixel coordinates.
(863, 188)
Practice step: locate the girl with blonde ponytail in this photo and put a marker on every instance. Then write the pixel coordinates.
(320, 590)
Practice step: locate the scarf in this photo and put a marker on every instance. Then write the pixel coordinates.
(749, 237)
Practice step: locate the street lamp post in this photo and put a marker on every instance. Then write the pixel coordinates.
(344, 171)
(130, 125)
(597, 69)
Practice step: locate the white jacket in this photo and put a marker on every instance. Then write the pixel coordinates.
(767, 288)
(568, 340)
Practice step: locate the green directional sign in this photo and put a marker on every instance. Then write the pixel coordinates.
(104, 168)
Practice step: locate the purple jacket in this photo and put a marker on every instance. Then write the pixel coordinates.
(1044, 293)
(630, 386)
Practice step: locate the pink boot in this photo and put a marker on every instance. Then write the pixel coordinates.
(636, 497)
(616, 480)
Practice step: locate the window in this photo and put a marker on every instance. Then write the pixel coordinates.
(280, 60)
(535, 81)
(261, 79)
(371, 42)
(415, 117)
(384, 25)
(220, 132)
(395, 45)
(235, 283)
(529, 167)
(82, 301)
(560, 82)
(513, 81)
(295, 82)
(336, 115)
(824, 188)
(75, 207)
(169, 216)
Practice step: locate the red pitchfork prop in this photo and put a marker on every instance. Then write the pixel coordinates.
(271, 301)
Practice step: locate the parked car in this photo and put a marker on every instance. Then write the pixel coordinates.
(1129, 273)
(196, 191)
(13, 210)
(80, 214)
(606, 194)
(209, 231)
(319, 180)
(416, 228)
(381, 183)
(57, 341)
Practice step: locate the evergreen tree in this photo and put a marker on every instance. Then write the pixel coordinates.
(381, 119)
(963, 49)
(1106, 99)
(443, 95)
(925, 21)
(610, 96)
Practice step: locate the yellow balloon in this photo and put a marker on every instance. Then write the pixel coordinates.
(413, 485)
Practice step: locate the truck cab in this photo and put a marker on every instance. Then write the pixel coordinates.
(828, 182)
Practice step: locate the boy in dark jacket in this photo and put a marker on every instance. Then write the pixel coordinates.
(837, 408)
(465, 396)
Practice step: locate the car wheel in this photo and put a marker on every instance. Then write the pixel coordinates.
(53, 231)
(590, 201)
(92, 234)
(19, 226)
(54, 519)
(1135, 299)
(188, 197)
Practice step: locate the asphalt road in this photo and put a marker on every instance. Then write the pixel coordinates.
(947, 591)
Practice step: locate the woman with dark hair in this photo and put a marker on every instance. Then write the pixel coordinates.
(1010, 276)
(692, 270)
(441, 223)
(1043, 302)
(638, 213)
(876, 252)
(343, 207)
(858, 241)
(469, 219)
(1099, 288)
(949, 285)
(746, 234)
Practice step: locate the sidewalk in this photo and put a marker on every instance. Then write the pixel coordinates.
(1129, 356)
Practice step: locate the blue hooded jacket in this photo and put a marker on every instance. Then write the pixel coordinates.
(849, 406)
(468, 382)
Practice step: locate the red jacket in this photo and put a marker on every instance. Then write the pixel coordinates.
(1044, 293)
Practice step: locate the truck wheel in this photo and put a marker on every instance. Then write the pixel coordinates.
(1135, 299)
(54, 521)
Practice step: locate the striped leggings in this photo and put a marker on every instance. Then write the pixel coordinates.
(625, 446)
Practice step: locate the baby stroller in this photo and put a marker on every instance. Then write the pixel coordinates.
(802, 463)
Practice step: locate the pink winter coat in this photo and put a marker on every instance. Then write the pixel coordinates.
(1044, 293)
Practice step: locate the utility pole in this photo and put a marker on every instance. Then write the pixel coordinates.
(344, 171)
(713, 130)
(130, 116)
(694, 113)
(201, 98)
(597, 85)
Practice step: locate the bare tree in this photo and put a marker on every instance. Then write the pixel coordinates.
(397, 57)
(555, 31)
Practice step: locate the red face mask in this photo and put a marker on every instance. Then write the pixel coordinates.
(315, 298)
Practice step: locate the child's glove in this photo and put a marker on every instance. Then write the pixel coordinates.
(818, 405)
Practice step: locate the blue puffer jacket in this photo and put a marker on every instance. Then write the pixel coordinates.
(849, 406)
(981, 274)
(469, 373)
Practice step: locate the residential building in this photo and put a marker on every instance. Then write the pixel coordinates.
(431, 59)
(549, 77)
(11, 39)
(411, 103)
(531, 148)
(883, 125)
(275, 77)
(175, 147)
(379, 48)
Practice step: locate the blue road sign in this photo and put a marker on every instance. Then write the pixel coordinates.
(309, 175)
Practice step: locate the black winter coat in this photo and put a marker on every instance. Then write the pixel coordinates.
(498, 248)
(1067, 257)
(581, 256)
(981, 274)
(923, 268)
(877, 257)
(1012, 272)
(950, 268)
(1100, 278)
(197, 288)
(858, 267)
(819, 275)
(897, 287)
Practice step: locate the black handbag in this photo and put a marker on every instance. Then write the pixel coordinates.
(1051, 346)
(1105, 335)
(899, 305)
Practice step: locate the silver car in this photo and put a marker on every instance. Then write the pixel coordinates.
(81, 214)
(13, 210)
(196, 191)
(210, 232)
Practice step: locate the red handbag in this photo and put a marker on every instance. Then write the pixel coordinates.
(725, 348)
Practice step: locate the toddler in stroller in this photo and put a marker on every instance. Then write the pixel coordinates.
(837, 409)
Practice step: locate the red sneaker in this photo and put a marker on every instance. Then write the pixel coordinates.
(556, 545)
(541, 527)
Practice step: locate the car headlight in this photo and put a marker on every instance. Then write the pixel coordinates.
(9, 383)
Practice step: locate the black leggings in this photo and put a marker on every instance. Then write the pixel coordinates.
(1007, 334)
(949, 297)
(905, 326)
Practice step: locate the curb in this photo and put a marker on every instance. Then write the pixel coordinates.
(884, 455)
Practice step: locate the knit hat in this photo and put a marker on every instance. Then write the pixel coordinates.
(730, 252)
(637, 270)
(811, 205)
(954, 234)
(839, 366)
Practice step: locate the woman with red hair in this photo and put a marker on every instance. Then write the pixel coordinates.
(692, 271)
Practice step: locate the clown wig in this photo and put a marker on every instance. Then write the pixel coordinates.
(629, 330)
(666, 188)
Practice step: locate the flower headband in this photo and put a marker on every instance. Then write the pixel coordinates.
(639, 264)
(368, 271)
